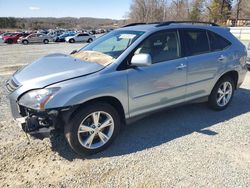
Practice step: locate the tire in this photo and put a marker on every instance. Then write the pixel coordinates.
(45, 41)
(71, 41)
(9, 41)
(220, 98)
(79, 141)
(90, 40)
(25, 42)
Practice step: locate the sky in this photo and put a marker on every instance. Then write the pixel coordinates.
(114, 9)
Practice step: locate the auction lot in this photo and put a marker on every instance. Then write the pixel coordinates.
(188, 146)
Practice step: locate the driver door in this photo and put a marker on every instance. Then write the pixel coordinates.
(164, 82)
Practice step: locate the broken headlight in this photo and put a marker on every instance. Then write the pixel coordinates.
(37, 99)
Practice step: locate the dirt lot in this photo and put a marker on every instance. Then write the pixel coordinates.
(189, 146)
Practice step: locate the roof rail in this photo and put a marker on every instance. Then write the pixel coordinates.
(191, 22)
(142, 23)
(133, 24)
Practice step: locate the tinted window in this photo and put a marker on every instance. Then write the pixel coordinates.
(162, 46)
(79, 35)
(33, 35)
(196, 41)
(85, 35)
(217, 42)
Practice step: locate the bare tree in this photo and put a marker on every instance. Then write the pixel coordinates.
(147, 10)
(243, 8)
(238, 9)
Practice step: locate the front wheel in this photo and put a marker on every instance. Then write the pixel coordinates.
(9, 41)
(25, 42)
(71, 40)
(93, 129)
(222, 94)
(46, 41)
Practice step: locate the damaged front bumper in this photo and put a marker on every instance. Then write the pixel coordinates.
(38, 125)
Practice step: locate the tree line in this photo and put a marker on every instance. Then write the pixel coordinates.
(53, 23)
(217, 11)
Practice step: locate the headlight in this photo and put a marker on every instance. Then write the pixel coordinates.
(37, 99)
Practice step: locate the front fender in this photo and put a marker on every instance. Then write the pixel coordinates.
(80, 90)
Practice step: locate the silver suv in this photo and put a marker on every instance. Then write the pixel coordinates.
(129, 72)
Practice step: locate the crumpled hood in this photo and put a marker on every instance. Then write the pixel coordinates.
(54, 68)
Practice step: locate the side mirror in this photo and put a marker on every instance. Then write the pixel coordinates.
(141, 60)
(73, 52)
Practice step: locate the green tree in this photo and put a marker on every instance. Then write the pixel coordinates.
(196, 10)
(220, 10)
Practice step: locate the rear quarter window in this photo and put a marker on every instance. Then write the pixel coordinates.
(217, 42)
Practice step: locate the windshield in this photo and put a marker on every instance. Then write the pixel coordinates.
(109, 46)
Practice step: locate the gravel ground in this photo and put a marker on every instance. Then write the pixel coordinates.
(13, 56)
(189, 146)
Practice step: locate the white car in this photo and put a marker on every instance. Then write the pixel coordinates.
(80, 37)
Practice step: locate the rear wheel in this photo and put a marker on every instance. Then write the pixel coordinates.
(90, 40)
(93, 129)
(71, 40)
(222, 93)
(45, 41)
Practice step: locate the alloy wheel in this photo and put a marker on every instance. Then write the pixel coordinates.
(224, 94)
(95, 130)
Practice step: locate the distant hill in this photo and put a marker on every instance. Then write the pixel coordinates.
(53, 23)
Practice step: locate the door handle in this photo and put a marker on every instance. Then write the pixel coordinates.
(222, 58)
(181, 66)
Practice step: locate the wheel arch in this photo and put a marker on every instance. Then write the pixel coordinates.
(113, 101)
(232, 74)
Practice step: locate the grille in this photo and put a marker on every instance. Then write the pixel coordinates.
(11, 85)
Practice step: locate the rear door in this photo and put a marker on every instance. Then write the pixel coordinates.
(203, 61)
(162, 83)
(40, 37)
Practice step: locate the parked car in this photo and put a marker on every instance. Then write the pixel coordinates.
(243, 34)
(55, 33)
(248, 56)
(5, 34)
(100, 31)
(92, 32)
(61, 38)
(35, 38)
(128, 72)
(12, 38)
(80, 37)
